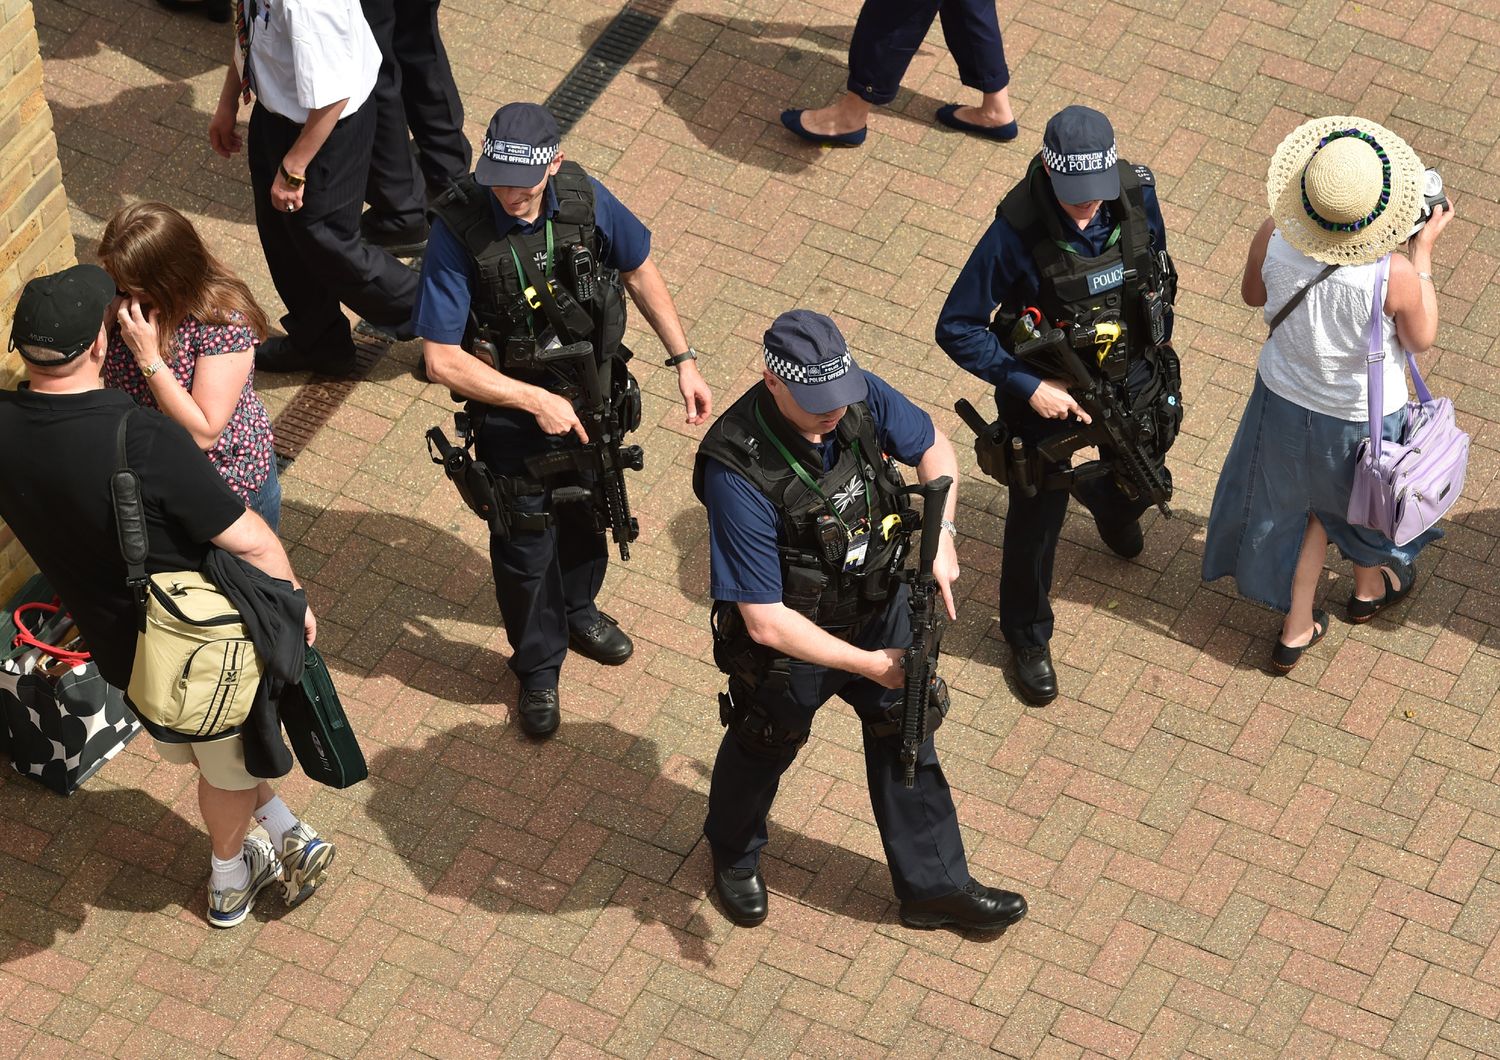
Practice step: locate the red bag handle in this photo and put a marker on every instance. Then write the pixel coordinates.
(29, 639)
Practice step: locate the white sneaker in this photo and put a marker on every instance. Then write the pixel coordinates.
(227, 908)
(305, 858)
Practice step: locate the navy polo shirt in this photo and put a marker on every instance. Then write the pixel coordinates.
(1001, 272)
(744, 527)
(448, 273)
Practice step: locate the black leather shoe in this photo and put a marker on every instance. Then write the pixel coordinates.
(539, 711)
(743, 893)
(405, 242)
(213, 10)
(277, 354)
(1035, 675)
(604, 642)
(1124, 539)
(975, 908)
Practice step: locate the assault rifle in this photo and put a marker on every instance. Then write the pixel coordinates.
(1115, 427)
(926, 606)
(603, 459)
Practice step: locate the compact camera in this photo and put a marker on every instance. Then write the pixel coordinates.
(1433, 197)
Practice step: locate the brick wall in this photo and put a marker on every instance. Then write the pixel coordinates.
(34, 235)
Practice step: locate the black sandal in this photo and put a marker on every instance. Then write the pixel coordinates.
(1284, 656)
(1361, 611)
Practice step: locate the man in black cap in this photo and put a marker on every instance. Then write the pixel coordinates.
(528, 218)
(1079, 243)
(58, 505)
(800, 498)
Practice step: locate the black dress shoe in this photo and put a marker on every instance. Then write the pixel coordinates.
(975, 907)
(213, 10)
(743, 892)
(1124, 539)
(277, 354)
(1035, 675)
(604, 642)
(539, 711)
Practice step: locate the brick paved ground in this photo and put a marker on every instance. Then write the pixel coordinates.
(1219, 862)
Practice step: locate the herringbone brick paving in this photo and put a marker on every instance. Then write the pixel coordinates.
(1219, 863)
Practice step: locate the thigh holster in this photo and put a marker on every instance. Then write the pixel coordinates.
(753, 727)
(938, 702)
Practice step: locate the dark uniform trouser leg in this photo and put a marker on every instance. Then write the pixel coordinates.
(544, 583)
(434, 111)
(393, 190)
(918, 825)
(888, 33)
(315, 255)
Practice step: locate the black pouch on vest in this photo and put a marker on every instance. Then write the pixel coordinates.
(628, 402)
(802, 587)
(318, 729)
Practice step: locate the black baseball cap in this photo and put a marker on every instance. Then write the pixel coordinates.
(1079, 149)
(519, 145)
(62, 313)
(806, 351)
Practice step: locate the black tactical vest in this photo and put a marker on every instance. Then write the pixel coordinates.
(1086, 290)
(499, 307)
(861, 486)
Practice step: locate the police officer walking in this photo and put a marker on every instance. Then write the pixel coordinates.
(526, 214)
(1081, 240)
(800, 504)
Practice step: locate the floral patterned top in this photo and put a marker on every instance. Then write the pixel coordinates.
(244, 451)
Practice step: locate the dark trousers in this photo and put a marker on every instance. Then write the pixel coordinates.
(545, 582)
(415, 91)
(889, 32)
(918, 825)
(315, 255)
(1033, 525)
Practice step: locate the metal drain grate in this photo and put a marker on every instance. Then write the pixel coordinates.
(317, 401)
(606, 57)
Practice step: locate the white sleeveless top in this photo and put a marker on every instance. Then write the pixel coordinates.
(1316, 358)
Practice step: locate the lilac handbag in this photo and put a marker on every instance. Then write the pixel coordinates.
(1401, 488)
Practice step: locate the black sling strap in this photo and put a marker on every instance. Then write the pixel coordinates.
(1296, 299)
(130, 520)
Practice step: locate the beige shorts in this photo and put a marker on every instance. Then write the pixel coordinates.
(222, 762)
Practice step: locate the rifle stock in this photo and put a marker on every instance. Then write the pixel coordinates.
(926, 627)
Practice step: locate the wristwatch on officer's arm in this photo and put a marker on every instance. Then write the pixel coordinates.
(688, 354)
(293, 180)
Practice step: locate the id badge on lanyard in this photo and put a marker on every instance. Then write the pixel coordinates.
(857, 546)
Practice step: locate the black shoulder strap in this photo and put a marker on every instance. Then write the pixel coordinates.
(464, 209)
(575, 195)
(130, 519)
(1296, 299)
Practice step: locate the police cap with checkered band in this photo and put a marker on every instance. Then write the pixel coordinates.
(806, 351)
(1079, 149)
(519, 145)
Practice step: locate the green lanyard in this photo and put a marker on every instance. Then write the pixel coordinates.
(1114, 237)
(807, 480)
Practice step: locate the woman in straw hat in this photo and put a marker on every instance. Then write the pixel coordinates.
(1345, 193)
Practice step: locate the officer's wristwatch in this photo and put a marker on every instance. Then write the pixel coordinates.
(688, 354)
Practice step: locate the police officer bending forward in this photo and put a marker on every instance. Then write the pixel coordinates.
(527, 211)
(1080, 239)
(793, 467)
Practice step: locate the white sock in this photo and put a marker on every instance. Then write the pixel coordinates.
(276, 819)
(229, 875)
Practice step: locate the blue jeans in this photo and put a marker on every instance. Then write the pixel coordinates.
(266, 501)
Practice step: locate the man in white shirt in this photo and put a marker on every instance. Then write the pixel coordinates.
(311, 66)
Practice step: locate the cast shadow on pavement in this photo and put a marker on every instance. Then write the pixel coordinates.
(120, 850)
(594, 818)
(729, 79)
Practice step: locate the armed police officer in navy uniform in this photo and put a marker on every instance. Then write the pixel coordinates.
(527, 213)
(1081, 240)
(801, 507)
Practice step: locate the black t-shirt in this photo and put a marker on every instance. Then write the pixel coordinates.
(57, 452)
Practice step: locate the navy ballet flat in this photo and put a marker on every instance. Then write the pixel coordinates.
(949, 116)
(792, 119)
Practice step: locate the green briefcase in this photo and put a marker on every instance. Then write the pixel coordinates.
(319, 730)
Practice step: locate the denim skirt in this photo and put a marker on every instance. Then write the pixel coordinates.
(1286, 463)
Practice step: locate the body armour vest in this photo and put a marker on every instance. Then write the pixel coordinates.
(1127, 283)
(566, 250)
(819, 579)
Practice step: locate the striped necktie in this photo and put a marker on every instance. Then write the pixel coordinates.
(242, 34)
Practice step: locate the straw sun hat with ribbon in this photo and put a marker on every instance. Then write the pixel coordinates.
(1344, 190)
